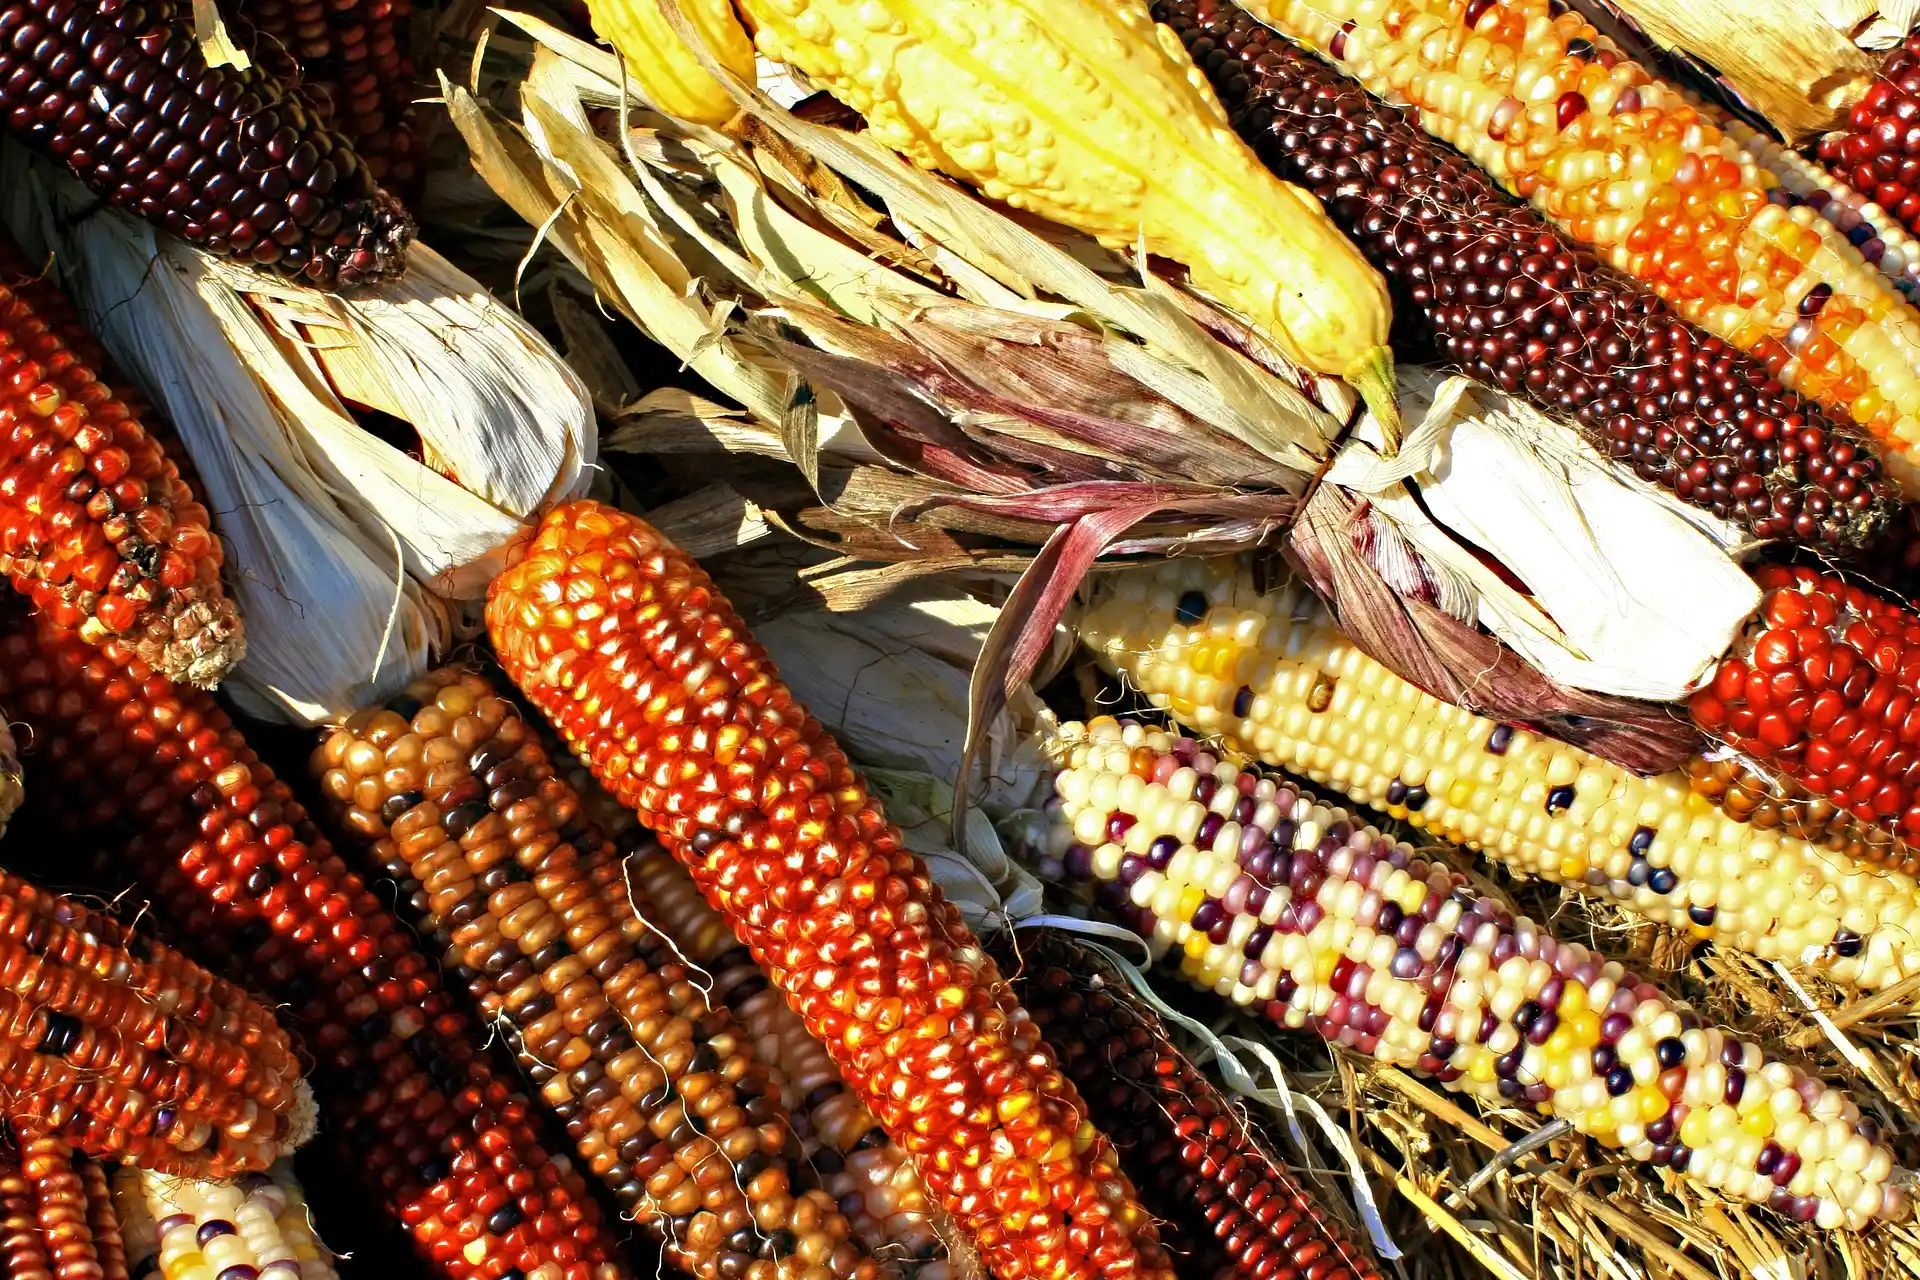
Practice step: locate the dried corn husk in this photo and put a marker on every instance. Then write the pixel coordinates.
(1799, 64)
(348, 555)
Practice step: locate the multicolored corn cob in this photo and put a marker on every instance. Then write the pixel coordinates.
(869, 1176)
(351, 62)
(1286, 906)
(1532, 93)
(1821, 691)
(256, 1229)
(1491, 287)
(623, 642)
(1238, 1211)
(159, 775)
(56, 1219)
(231, 161)
(663, 1094)
(96, 526)
(1273, 674)
(127, 1049)
(1879, 150)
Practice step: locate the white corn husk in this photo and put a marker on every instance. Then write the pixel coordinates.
(1628, 591)
(347, 557)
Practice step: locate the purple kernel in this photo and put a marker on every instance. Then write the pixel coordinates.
(1619, 1081)
(1613, 1026)
(1605, 1058)
(1079, 862)
(1736, 1086)
(1660, 1131)
(1257, 899)
(1208, 914)
(1406, 963)
(1205, 785)
(1542, 1027)
(1118, 825)
(1160, 852)
(1209, 829)
(1551, 992)
(1257, 942)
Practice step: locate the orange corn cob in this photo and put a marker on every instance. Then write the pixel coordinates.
(103, 1223)
(57, 1220)
(128, 1049)
(1622, 161)
(227, 855)
(624, 643)
(664, 1095)
(96, 526)
(873, 1180)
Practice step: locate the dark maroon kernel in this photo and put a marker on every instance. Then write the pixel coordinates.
(1243, 701)
(1559, 798)
(1500, 739)
(1483, 283)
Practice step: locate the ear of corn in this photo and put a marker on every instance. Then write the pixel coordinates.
(225, 852)
(231, 161)
(623, 643)
(1490, 286)
(663, 1095)
(1879, 149)
(1272, 674)
(56, 1219)
(1621, 161)
(865, 1171)
(1306, 915)
(128, 1050)
(1240, 1211)
(97, 528)
(256, 1228)
(670, 76)
(1083, 112)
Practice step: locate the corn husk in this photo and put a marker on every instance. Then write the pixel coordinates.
(1800, 65)
(347, 555)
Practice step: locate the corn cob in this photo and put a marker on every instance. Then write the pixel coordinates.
(56, 1222)
(59, 1204)
(231, 161)
(126, 1048)
(1272, 673)
(96, 526)
(256, 1229)
(1623, 162)
(866, 1172)
(673, 1112)
(1769, 799)
(1490, 286)
(350, 60)
(1316, 920)
(1202, 1167)
(1879, 150)
(623, 642)
(668, 74)
(227, 855)
(1082, 112)
(103, 1222)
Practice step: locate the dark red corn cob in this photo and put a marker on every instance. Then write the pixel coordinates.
(159, 775)
(1486, 284)
(350, 59)
(1237, 1210)
(97, 528)
(623, 642)
(1879, 150)
(231, 161)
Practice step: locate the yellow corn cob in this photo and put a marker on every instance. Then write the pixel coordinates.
(1273, 676)
(1087, 113)
(1622, 161)
(670, 76)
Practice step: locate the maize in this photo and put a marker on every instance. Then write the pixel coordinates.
(1273, 674)
(1239, 1210)
(257, 1229)
(670, 76)
(230, 161)
(128, 1049)
(56, 1220)
(864, 1170)
(1305, 914)
(1490, 286)
(1082, 112)
(1879, 150)
(664, 1095)
(159, 773)
(97, 528)
(1623, 162)
(623, 642)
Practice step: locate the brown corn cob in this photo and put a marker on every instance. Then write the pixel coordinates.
(867, 1173)
(231, 161)
(126, 1048)
(227, 855)
(623, 642)
(661, 1092)
(103, 1224)
(96, 526)
(1237, 1208)
(59, 1204)
(56, 1220)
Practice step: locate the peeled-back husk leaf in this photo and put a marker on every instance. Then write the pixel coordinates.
(341, 546)
(1623, 593)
